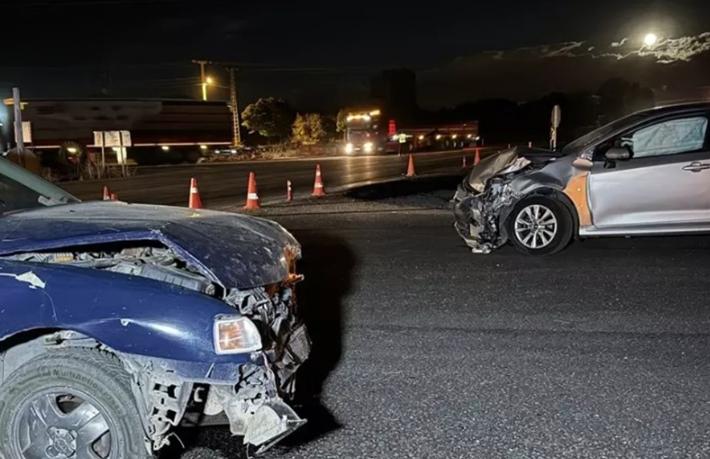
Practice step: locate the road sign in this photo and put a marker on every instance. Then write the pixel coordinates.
(27, 131)
(556, 116)
(126, 139)
(112, 138)
(99, 138)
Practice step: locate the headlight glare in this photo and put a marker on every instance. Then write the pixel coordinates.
(369, 147)
(349, 148)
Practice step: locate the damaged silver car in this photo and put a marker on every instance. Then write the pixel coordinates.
(645, 174)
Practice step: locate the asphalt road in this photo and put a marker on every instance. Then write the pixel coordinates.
(428, 351)
(221, 183)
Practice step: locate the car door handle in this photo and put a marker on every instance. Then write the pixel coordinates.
(696, 167)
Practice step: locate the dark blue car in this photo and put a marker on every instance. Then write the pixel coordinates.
(118, 322)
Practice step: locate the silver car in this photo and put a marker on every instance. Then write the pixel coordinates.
(645, 174)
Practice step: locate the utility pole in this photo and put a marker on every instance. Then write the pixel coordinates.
(233, 100)
(19, 139)
(203, 77)
(236, 132)
(555, 121)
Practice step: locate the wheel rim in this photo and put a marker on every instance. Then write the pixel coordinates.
(536, 226)
(61, 425)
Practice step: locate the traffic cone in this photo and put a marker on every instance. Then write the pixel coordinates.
(194, 201)
(318, 190)
(463, 162)
(410, 167)
(477, 158)
(114, 197)
(106, 194)
(252, 195)
(289, 191)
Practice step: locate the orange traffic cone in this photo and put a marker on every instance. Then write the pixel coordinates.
(194, 201)
(318, 189)
(410, 167)
(289, 191)
(252, 195)
(106, 194)
(477, 158)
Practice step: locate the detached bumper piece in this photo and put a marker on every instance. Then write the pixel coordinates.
(271, 423)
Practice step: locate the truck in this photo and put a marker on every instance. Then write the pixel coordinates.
(366, 133)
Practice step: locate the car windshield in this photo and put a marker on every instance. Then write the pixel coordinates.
(21, 189)
(603, 132)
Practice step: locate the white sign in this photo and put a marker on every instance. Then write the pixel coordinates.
(556, 116)
(126, 138)
(112, 138)
(99, 138)
(27, 131)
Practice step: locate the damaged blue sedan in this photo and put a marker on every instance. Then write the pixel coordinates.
(120, 322)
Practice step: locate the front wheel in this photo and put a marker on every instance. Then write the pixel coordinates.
(540, 226)
(70, 404)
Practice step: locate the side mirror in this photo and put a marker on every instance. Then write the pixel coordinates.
(618, 154)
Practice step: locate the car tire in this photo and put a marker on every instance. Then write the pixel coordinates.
(80, 394)
(544, 214)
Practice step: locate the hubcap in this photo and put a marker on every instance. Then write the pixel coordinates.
(61, 426)
(535, 226)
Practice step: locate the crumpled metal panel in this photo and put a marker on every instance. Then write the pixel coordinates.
(129, 314)
(234, 250)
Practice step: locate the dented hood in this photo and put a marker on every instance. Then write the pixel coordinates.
(234, 250)
(506, 162)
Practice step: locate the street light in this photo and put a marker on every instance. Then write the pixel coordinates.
(207, 81)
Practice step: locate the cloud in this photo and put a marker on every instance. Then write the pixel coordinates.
(619, 44)
(671, 50)
(674, 67)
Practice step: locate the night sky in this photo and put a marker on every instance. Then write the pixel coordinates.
(321, 55)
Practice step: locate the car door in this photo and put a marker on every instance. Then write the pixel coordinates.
(664, 186)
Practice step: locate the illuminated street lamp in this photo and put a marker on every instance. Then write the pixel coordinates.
(207, 81)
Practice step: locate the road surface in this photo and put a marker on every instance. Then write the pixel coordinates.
(429, 351)
(227, 182)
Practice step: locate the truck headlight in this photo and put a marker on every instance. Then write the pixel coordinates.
(369, 147)
(349, 148)
(235, 335)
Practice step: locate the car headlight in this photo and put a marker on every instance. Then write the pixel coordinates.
(349, 148)
(369, 147)
(235, 335)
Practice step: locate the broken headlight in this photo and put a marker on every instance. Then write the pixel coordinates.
(235, 335)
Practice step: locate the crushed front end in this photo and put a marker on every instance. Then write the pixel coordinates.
(246, 386)
(484, 197)
(477, 215)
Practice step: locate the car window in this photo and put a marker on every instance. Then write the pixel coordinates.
(21, 189)
(670, 137)
(14, 196)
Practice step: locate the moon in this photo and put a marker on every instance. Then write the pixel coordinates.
(650, 39)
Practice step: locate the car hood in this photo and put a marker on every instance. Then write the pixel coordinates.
(507, 162)
(234, 250)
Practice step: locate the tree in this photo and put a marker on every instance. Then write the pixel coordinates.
(270, 117)
(308, 129)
